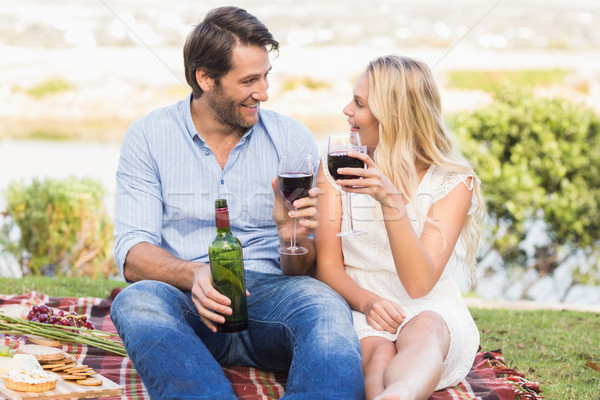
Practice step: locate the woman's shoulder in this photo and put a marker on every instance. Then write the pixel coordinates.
(442, 181)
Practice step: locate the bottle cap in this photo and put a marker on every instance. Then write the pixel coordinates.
(220, 203)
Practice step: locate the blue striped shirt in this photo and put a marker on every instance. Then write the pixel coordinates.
(168, 181)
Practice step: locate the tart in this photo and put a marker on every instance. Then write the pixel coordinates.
(30, 381)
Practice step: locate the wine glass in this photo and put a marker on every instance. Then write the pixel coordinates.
(294, 180)
(337, 157)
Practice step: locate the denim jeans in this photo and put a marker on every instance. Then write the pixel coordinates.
(297, 325)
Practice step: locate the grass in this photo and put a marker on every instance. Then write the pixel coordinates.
(49, 87)
(63, 287)
(293, 83)
(550, 347)
(494, 80)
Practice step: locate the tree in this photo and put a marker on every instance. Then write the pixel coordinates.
(538, 160)
(63, 226)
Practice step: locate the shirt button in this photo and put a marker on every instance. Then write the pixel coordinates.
(222, 181)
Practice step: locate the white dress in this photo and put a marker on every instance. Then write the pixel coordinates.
(368, 260)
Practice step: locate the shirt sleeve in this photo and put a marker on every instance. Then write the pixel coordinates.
(139, 203)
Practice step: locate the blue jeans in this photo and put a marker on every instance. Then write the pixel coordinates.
(297, 325)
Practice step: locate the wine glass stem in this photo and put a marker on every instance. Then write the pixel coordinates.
(293, 243)
(349, 203)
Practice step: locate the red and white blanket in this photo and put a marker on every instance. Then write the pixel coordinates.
(489, 379)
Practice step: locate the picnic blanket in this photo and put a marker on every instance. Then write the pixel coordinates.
(489, 379)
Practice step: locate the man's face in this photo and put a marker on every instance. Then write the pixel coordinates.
(236, 97)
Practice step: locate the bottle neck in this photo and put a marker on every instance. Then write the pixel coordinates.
(222, 219)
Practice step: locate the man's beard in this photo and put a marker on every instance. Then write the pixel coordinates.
(227, 110)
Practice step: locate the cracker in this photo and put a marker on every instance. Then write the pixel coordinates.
(65, 359)
(78, 367)
(86, 373)
(78, 371)
(64, 367)
(52, 365)
(42, 353)
(70, 377)
(90, 382)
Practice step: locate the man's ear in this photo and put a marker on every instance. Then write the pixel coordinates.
(204, 81)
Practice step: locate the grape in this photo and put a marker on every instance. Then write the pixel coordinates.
(4, 351)
(47, 315)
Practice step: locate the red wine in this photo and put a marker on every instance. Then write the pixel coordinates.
(342, 160)
(294, 185)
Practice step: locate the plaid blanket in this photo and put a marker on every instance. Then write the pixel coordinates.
(489, 379)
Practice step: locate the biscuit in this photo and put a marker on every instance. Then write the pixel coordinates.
(90, 382)
(64, 367)
(85, 373)
(42, 353)
(78, 367)
(69, 377)
(52, 365)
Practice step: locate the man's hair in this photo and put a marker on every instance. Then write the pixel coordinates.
(210, 45)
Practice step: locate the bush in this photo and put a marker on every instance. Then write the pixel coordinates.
(63, 225)
(538, 160)
(49, 87)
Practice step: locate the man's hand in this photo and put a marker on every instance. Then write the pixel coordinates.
(211, 304)
(306, 216)
(305, 213)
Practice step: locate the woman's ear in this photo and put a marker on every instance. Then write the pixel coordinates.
(204, 81)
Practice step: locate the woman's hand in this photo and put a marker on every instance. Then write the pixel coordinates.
(373, 182)
(384, 315)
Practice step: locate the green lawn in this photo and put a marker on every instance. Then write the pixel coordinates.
(550, 347)
(494, 80)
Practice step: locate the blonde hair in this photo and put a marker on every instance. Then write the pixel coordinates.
(405, 99)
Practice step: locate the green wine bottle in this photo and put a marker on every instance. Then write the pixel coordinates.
(227, 269)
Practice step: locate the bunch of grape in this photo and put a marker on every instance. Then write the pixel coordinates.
(6, 351)
(48, 315)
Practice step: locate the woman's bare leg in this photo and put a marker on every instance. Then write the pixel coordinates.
(377, 353)
(415, 371)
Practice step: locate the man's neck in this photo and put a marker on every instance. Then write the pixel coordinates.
(220, 138)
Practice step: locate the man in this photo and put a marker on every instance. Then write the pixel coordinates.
(174, 163)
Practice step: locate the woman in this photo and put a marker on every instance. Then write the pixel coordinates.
(415, 199)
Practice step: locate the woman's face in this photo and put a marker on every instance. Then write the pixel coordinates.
(360, 117)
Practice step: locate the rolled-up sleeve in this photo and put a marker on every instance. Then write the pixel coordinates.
(139, 203)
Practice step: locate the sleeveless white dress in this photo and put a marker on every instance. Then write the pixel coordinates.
(368, 260)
